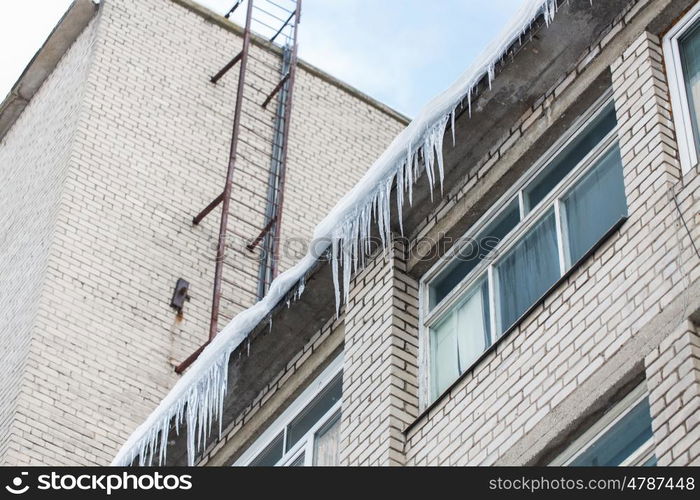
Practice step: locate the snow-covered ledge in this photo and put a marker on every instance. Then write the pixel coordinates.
(198, 397)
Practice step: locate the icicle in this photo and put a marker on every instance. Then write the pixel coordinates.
(399, 195)
(410, 180)
(428, 165)
(197, 399)
(438, 136)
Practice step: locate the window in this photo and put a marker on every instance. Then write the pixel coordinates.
(545, 225)
(623, 436)
(682, 55)
(308, 432)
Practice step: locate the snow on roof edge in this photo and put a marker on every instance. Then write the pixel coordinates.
(198, 397)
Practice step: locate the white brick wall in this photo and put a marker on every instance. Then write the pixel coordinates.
(34, 161)
(380, 370)
(149, 150)
(673, 380)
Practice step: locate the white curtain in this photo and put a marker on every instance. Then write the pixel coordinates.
(528, 271)
(444, 360)
(326, 445)
(595, 204)
(472, 329)
(460, 338)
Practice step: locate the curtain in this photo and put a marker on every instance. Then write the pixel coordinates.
(595, 204)
(474, 252)
(472, 327)
(565, 162)
(444, 360)
(326, 445)
(528, 271)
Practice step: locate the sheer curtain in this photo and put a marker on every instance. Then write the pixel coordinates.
(595, 204)
(459, 339)
(528, 271)
(445, 365)
(326, 445)
(472, 327)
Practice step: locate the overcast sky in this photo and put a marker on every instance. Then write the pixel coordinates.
(401, 52)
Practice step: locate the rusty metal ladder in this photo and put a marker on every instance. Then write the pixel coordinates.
(278, 22)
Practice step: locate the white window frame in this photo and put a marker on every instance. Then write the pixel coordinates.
(554, 200)
(306, 443)
(679, 96)
(602, 425)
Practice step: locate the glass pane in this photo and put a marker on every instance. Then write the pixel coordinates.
(299, 462)
(473, 326)
(474, 252)
(459, 339)
(314, 412)
(326, 445)
(571, 156)
(690, 57)
(528, 271)
(595, 204)
(444, 359)
(620, 441)
(270, 455)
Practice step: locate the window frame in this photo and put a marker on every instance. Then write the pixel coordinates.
(680, 103)
(305, 444)
(553, 201)
(591, 436)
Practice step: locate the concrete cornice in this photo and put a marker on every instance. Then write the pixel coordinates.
(73, 22)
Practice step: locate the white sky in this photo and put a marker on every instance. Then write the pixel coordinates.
(398, 51)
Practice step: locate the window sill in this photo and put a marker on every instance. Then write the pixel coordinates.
(582, 261)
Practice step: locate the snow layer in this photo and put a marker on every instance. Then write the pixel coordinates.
(198, 396)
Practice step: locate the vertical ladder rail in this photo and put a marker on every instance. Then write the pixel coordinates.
(223, 227)
(264, 270)
(276, 236)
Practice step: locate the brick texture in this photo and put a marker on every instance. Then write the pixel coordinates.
(35, 157)
(380, 370)
(673, 380)
(133, 140)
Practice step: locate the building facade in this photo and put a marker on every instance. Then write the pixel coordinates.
(111, 141)
(545, 309)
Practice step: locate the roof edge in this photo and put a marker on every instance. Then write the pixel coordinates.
(219, 20)
(66, 31)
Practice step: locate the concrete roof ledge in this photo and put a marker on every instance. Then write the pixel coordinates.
(73, 22)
